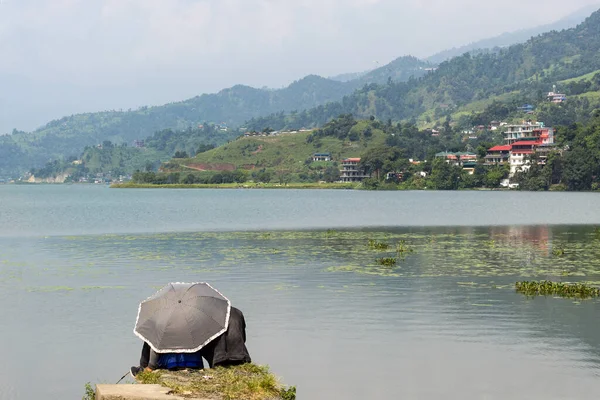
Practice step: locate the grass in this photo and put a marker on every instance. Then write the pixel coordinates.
(586, 77)
(289, 151)
(90, 394)
(244, 382)
(548, 288)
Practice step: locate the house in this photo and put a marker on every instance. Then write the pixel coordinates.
(321, 157)
(557, 97)
(498, 155)
(527, 131)
(138, 144)
(527, 108)
(351, 172)
(394, 176)
(519, 155)
(459, 158)
(522, 142)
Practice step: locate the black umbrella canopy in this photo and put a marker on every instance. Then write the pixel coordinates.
(182, 317)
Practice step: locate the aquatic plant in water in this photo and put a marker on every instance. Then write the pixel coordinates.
(558, 252)
(402, 248)
(547, 288)
(386, 261)
(375, 245)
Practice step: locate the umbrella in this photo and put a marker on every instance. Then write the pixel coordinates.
(182, 317)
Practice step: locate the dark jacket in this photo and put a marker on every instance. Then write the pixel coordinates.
(230, 347)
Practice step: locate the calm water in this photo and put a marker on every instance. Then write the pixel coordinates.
(445, 323)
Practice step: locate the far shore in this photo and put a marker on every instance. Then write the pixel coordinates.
(130, 185)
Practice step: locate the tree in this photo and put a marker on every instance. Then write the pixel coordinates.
(578, 170)
(495, 175)
(331, 174)
(374, 160)
(180, 154)
(445, 176)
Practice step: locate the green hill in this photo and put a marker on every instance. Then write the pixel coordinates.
(113, 159)
(288, 151)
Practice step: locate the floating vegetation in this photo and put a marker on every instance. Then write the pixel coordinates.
(548, 288)
(558, 252)
(386, 261)
(402, 248)
(468, 253)
(375, 245)
(330, 232)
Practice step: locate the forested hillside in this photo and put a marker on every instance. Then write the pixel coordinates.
(68, 136)
(121, 159)
(531, 69)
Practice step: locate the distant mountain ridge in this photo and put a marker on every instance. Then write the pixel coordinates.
(509, 38)
(387, 92)
(532, 67)
(68, 136)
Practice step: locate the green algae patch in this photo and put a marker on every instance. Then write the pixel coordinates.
(243, 382)
(560, 289)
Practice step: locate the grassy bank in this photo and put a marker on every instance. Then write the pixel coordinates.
(245, 382)
(130, 185)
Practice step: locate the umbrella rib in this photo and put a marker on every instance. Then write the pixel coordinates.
(203, 312)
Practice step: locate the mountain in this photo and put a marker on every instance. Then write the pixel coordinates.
(350, 76)
(529, 69)
(510, 38)
(399, 70)
(68, 136)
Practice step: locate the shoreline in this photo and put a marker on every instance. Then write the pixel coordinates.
(338, 186)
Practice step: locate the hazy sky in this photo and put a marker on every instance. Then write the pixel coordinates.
(63, 56)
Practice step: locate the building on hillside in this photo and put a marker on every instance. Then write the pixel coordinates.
(459, 158)
(527, 131)
(519, 154)
(393, 176)
(321, 157)
(138, 144)
(498, 155)
(526, 108)
(557, 97)
(351, 172)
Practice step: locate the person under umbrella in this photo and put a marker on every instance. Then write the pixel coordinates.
(230, 348)
(177, 322)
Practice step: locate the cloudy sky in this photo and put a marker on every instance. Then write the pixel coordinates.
(59, 57)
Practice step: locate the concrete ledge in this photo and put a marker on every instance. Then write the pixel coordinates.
(134, 392)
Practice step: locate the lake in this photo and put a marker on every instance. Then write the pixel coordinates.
(445, 322)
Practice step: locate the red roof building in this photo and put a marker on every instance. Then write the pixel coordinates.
(498, 155)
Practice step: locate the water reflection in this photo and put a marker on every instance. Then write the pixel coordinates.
(444, 322)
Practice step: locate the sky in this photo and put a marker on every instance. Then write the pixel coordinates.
(59, 57)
